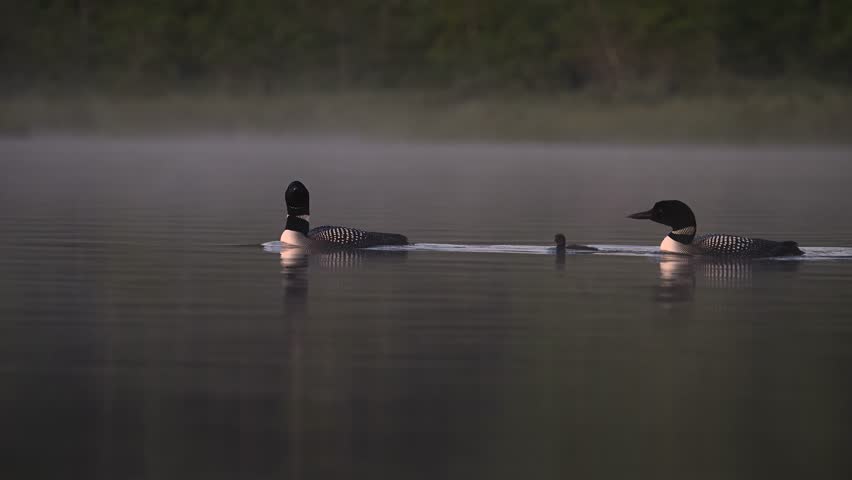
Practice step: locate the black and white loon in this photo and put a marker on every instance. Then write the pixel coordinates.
(682, 239)
(297, 233)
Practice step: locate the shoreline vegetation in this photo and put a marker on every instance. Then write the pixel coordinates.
(542, 70)
(799, 116)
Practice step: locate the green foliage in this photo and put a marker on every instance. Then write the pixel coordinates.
(470, 45)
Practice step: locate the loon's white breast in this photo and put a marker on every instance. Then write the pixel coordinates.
(294, 238)
(670, 245)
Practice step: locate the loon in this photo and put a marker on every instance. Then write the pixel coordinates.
(561, 247)
(682, 239)
(327, 237)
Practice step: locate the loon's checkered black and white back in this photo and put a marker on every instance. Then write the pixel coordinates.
(345, 237)
(732, 245)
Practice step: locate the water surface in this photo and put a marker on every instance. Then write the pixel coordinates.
(138, 341)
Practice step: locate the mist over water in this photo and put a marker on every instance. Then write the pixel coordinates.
(137, 340)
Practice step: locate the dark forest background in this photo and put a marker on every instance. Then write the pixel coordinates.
(597, 70)
(531, 45)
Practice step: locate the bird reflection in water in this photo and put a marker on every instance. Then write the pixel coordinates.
(682, 275)
(677, 280)
(296, 263)
(296, 266)
(294, 279)
(560, 258)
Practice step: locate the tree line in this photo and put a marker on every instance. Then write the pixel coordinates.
(475, 45)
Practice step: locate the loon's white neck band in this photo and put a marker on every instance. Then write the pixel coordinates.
(684, 231)
(679, 241)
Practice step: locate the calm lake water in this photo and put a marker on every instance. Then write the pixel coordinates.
(139, 340)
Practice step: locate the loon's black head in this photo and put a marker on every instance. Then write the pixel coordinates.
(673, 213)
(560, 240)
(298, 199)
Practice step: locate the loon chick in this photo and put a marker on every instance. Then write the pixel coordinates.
(682, 239)
(561, 247)
(326, 237)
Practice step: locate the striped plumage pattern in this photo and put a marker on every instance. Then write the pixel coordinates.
(730, 274)
(345, 237)
(341, 260)
(345, 259)
(732, 245)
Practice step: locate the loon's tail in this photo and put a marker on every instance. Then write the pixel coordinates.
(787, 249)
(376, 239)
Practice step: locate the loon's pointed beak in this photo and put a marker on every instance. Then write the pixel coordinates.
(646, 215)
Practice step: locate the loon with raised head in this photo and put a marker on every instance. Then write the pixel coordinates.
(561, 246)
(682, 239)
(297, 233)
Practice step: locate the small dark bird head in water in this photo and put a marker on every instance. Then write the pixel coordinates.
(673, 213)
(298, 199)
(560, 241)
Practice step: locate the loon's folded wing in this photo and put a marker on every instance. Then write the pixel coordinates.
(345, 237)
(716, 244)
